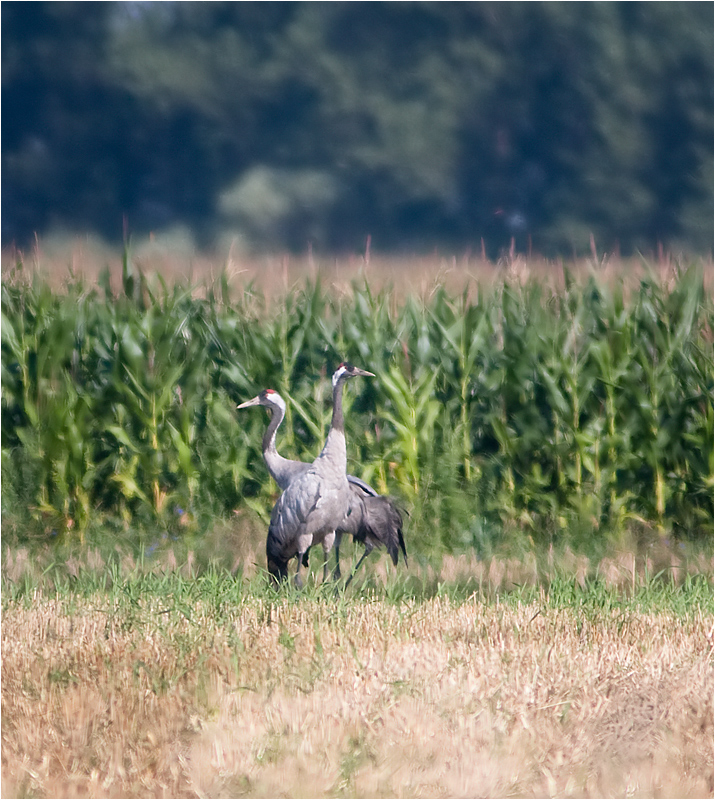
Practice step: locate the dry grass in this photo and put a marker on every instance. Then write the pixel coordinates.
(316, 698)
(275, 275)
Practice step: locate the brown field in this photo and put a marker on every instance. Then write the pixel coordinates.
(312, 698)
(274, 275)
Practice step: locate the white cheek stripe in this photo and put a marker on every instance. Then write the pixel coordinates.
(338, 372)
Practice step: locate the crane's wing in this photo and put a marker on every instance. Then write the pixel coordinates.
(360, 484)
(374, 521)
(291, 513)
(383, 522)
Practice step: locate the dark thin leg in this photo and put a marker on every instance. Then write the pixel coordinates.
(367, 552)
(326, 566)
(298, 579)
(336, 571)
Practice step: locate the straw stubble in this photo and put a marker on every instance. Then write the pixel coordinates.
(431, 698)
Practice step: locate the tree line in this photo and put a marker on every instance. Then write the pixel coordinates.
(421, 124)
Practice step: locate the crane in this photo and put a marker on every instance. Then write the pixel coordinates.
(371, 519)
(313, 502)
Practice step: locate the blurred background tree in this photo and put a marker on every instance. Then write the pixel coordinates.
(423, 124)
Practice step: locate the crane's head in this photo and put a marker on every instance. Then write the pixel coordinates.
(268, 398)
(278, 569)
(277, 564)
(347, 370)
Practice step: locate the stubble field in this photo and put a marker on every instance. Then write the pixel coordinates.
(167, 686)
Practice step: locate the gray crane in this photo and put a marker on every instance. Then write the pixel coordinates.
(315, 501)
(371, 519)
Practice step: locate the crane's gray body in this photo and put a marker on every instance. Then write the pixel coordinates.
(370, 518)
(306, 512)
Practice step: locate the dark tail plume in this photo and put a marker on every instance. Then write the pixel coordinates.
(384, 521)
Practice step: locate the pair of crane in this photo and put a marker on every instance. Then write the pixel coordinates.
(320, 501)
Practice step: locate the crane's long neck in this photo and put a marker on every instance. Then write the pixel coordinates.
(334, 447)
(281, 469)
(337, 423)
(269, 437)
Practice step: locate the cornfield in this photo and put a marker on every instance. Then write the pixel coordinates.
(521, 409)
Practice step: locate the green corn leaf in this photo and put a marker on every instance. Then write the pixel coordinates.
(130, 488)
(183, 451)
(122, 437)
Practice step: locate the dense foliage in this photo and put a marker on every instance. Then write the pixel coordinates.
(523, 410)
(417, 123)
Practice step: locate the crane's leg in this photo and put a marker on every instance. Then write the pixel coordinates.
(368, 550)
(327, 547)
(304, 542)
(336, 571)
(298, 579)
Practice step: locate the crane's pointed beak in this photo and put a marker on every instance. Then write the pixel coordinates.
(363, 372)
(253, 402)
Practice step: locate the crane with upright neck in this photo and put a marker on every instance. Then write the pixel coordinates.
(315, 501)
(371, 519)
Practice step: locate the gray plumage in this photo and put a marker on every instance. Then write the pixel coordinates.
(307, 511)
(371, 519)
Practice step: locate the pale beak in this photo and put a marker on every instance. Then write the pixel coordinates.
(253, 402)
